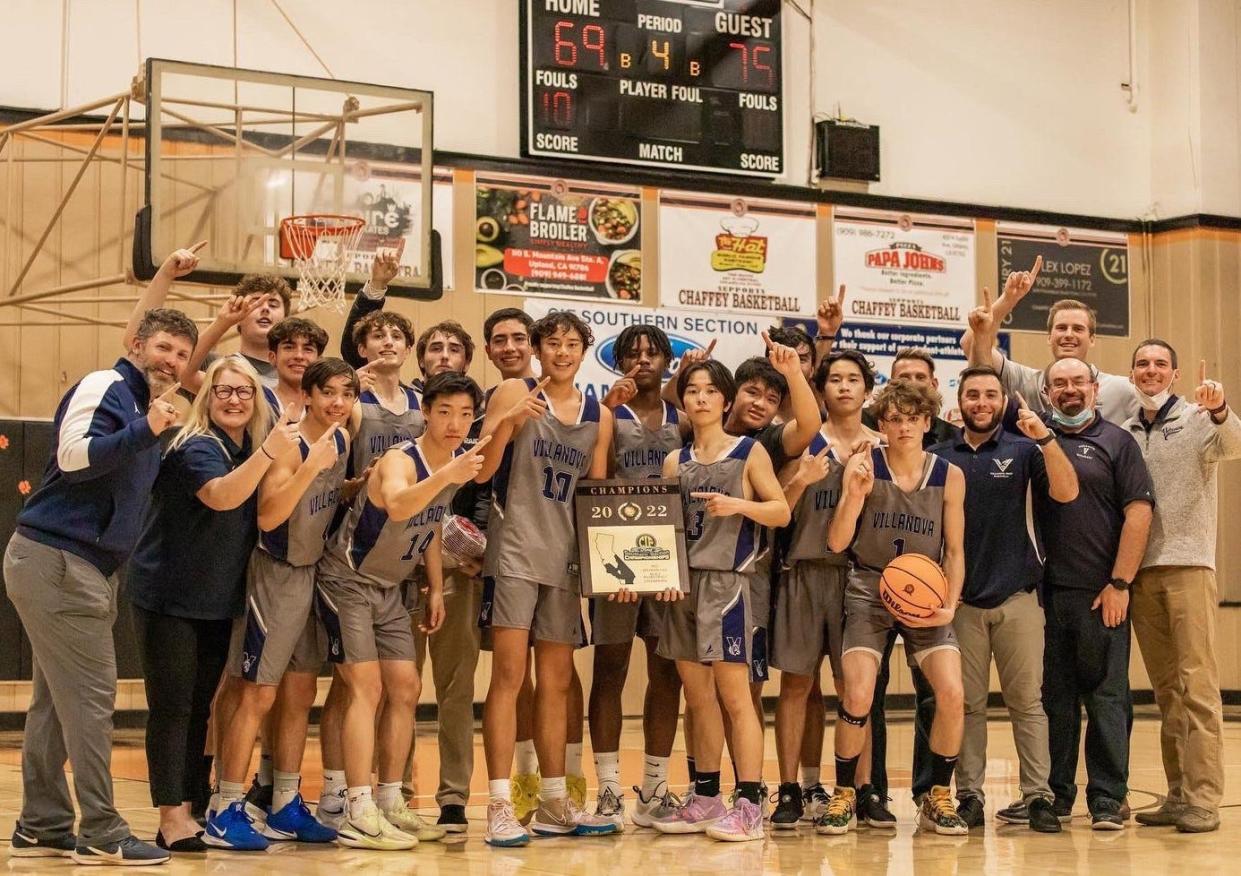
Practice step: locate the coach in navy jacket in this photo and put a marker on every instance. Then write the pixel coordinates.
(59, 570)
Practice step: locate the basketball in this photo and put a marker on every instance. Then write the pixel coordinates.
(462, 540)
(913, 586)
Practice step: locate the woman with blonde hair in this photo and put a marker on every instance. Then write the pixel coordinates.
(186, 579)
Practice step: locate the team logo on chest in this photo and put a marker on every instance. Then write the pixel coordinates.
(1003, 468)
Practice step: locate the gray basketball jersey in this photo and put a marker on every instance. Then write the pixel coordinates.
(381, 429)
(638, 452)
(532, 497)
(299, 540)
(894, 522)
(373, 547)
(729, 543)
(813, 514)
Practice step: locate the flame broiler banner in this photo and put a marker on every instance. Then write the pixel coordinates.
(736, 255)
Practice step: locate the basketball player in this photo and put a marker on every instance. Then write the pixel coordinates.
(387, 411)
(445, 346)
(729, 491)
(1070, 334)
(293, 344)
(796, 337)
(275, 645)
(1094, 549)
(69, 543)
(899, 500)
(646, 430)
(809, 602)
(265, 299)
(546, 436)
(1000, 613)
(389, 529)
(1175, 597)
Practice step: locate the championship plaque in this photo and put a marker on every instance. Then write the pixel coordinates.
(631, 534)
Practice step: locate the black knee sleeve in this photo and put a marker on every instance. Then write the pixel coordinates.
(855, 720)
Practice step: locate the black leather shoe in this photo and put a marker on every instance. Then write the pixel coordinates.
(1042, 817)
(971, 812)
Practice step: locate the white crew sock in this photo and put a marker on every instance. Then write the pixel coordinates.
(333, 782)
(526, 759)
(573, 759)
(553, 789)
(607, 770)
(388, 796)
(231, 792)
(654, 774)
(499, 789)
(358, 799)
(809, 776)
(284, 789)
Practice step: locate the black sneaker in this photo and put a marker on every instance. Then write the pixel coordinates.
(1105, 815)
(1042, 817)
(788, 807)
(1063, 810)
(452, 818)
(971, 811)
(872, 809)
(258, 801)
(1017, 812)
(27, 845)
(129, 852)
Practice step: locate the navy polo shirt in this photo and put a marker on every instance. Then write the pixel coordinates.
(1002, 552)
(1083, 536)
(191, 561)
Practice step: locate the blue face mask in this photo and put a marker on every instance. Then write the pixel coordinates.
(1072, 422)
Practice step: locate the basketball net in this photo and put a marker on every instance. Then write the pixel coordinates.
(322, 246)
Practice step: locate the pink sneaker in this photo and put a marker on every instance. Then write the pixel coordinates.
(744, 822)
(695, 816)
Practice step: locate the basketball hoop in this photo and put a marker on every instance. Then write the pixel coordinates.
(321, 246)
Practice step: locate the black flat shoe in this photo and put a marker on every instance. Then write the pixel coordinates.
(186, 844)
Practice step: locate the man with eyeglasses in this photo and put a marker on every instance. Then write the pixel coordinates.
(1094, 548)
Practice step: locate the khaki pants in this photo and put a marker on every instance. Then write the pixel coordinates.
(454, 656)
(1013, 633)
(1174, 611)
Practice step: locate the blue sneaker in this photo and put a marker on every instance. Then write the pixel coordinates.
(26, 845)
(232, 828)
(294, 822)
(129, 852)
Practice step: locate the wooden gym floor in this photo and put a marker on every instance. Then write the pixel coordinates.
(996, 849)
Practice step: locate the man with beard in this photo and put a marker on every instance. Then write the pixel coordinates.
(1000, 612)
(60, 566)
(1094, 548)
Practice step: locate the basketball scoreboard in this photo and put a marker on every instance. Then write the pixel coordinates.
(684, 84)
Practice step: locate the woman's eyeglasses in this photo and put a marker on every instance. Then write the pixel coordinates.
(223, 392)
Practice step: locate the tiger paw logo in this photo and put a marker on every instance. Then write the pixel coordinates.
(738, 248)
(906, 256)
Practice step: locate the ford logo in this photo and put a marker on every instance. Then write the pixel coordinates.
(605, 353)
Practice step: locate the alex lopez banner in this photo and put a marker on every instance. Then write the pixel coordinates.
(737, 337)
(736, 255)
(904, 269)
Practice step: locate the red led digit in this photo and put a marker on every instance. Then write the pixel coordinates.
(745, 61)
(599, 46)
(562, 44)
(759, 51)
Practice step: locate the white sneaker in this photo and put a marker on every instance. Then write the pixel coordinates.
(333, 809)
(371, 830)
(611, 807)
(503, 828)
(662, 803)
(410, 822)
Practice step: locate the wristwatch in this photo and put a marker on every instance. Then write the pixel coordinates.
(1120, 584)
(1046, 439)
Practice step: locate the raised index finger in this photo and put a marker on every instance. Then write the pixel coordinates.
(196, 247)
(170, 392)
(480, 444)
(538, 387)
(1038, 266)
(711, 346)
(1202, 371)
(634, 371)
(840, 296)
(1021, 402)
(767, 340)
(986, 297)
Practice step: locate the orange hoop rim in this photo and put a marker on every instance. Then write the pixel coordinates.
(306, 228)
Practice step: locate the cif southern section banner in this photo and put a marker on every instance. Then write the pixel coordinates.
(551, 237)
(902, 268)
(737, 337)
(736, 255)
(1089, 266)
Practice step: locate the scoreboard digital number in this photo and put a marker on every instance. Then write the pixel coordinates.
(685, 84)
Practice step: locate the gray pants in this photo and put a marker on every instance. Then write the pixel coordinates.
(1013, 632)
(67, 608)
(454, 656)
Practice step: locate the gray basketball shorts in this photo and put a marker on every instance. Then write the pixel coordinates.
(867, 623)
(713, 622)
(760, 591)
(277, 633)
(808, 617)
(363, 621)
(551, 614)
(617, 623)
